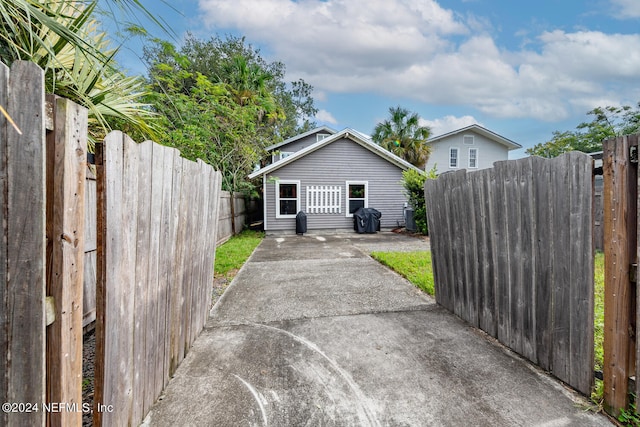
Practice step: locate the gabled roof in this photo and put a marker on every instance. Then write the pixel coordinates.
(511, 145)
(323, 129)
(351, 134)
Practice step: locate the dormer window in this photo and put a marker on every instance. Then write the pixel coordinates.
(321, 136)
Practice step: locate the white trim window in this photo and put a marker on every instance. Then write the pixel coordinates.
(357, 196)
(473, 158)
(287, 198)
(321, 136)
(454, 156)
(468, 140)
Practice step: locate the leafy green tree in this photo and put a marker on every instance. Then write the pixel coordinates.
(413, 183)
(221, 102)
(402, 135)
(64, 39)
(288, 106)
(608, 122)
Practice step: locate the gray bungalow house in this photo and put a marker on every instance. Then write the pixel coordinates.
(472, 147)
(329, 175)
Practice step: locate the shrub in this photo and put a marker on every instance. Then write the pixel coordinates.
(413, 183)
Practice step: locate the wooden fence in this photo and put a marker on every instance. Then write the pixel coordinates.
(157, 216)
(157, 219)
(512, 251)
(232, 217)
(224, 232)
(621, 249)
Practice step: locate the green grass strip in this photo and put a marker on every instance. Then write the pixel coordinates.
(414, 266)
(232, 254)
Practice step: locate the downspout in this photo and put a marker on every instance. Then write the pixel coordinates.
(264, 201)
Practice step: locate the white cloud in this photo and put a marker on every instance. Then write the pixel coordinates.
(448, 123)
(419, 50)
(626, 9)
(326, 117)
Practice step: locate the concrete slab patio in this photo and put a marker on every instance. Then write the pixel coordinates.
(313, 332)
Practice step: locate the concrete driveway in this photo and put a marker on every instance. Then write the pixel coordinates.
(313, 332)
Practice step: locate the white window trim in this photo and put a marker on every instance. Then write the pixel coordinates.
(457, 158)
(347, 198)
(473, 139)
(321, 136)
(477, 156)
(298, 198)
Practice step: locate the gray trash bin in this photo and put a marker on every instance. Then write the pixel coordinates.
(410, 220)
(301, 223)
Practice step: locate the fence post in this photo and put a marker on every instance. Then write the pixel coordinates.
(22, 174)
(66, 166)
(620, 228)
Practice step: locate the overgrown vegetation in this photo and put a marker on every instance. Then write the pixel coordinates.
(630, 417)
(65, 39)
(231, 255)
(220, 101)
(413, 184)
(608, 122)
(414, 266)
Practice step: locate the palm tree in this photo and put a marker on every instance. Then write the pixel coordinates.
(403, 136)
(249, 84)
(63, 39)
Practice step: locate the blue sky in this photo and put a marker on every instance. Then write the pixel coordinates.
(521, 69)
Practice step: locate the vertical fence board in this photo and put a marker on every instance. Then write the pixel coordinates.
(165, 253)
(582, 279)
(4, 308)
(111, 266)
(155, 280)
(90, 245)
(618, 208)
(142, 345)
(515, 240)
(176, 298)
(527, 272)
(562, 279)
(66, 167)
(544, 259)
(617, 302)
(486, 258)
(25, 216)
(503, 290)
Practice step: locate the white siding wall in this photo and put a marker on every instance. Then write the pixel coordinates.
(488, 152)
(334, 164)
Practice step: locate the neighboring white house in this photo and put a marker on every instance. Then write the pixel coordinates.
(472, 147)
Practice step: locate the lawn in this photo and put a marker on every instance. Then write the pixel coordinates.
(416, 267)
(231, 255)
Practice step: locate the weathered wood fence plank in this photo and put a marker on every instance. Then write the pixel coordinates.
(66, 166)
(512, 251)
(4, 235)
(22, 262)
(620, 231)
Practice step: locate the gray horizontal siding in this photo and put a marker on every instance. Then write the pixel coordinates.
(334, 164)
(298, 145)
